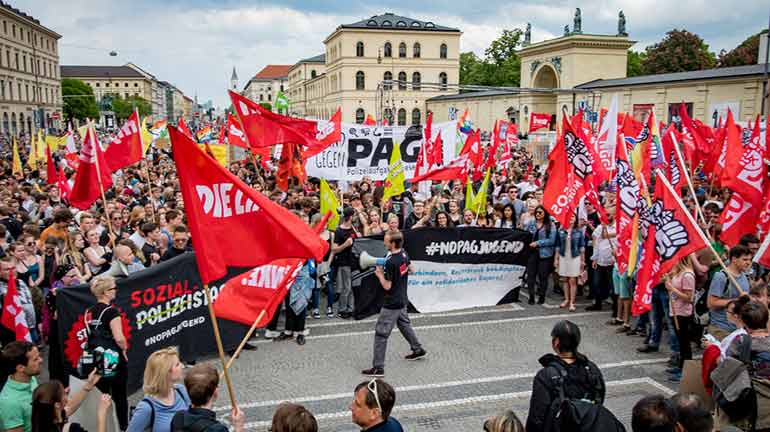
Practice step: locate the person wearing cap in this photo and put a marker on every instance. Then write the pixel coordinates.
(343, 261)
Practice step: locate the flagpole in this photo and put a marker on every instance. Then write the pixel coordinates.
(689, 181)
(99, 179)
(246, 338)
(221, 350)
(662, 178)
(146, 169)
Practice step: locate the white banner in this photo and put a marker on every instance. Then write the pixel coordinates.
(439, 286)
(365, 151)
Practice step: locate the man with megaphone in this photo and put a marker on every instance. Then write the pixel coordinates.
(393, 274)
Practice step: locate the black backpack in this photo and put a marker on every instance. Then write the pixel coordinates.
(745, 405)
(579, 415)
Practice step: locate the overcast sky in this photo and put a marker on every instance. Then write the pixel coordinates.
(195, 44)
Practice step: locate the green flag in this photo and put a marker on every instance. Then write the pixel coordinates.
(282, 102)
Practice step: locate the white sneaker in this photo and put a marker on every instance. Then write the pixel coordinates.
(270, 334)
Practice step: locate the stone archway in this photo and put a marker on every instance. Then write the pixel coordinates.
(546, 77)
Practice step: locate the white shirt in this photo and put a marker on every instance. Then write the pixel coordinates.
(604, 249)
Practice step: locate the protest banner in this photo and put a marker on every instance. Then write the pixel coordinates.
(454, 268)
(160, 307)
(364, 151)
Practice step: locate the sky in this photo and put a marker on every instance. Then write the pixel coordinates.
(194, 44)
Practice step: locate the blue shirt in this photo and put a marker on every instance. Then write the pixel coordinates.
(140, 421)
(723, 288)
(546, 244)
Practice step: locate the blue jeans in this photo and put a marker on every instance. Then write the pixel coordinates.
(660, 309)
(329, 293)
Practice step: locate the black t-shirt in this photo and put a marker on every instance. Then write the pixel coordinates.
(397, 272)
(100, 333)
(147, 251)
(343, 258)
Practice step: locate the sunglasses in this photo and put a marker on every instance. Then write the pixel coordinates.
(372, 387)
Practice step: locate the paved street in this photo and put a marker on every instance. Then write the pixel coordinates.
(480, 362)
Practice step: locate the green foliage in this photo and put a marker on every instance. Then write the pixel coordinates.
(501, 65)
(123, 107)
(747, 53)
(79, 101)
(634, 64)
(679, 51)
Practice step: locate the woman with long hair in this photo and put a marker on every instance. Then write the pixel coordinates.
(680, 283)
(164, 396)
(98, 256)
(570, 260)
(392, 222)
(455, 214)
(73, 255)
(528, 215)
(51, 406)
(508, 219)
(374, 225)
(443, 220)
(540, 262)
(29, 264)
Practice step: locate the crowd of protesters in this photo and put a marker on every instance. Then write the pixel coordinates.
(141, 223)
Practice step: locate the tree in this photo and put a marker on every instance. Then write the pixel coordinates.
(634, 64)
(501, 65)
(79, 100)
(124, 107)
(679, 51)
(747, 53)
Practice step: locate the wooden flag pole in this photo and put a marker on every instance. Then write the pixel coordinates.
(662, 177)
(146, 169)
(99, 179)
(689, 181)
(246, 338)
(221, 350)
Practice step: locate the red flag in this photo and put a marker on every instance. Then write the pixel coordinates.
(744, 169)
(675, 171)
(437, 158)
(183, 127)
(232, 224)
(763, 253)
(695, 146)
(329, 133)
(456, 169)
(472, 148)
(87, 185)
(669, 234)
(570, 173)
(13, 315)
(234, 132)
(290, 165)
(370, 121)
(492, 154)
(50, 167)
(64, 187)
(764, 216)
(628, 201)
(264, 128)
(539, 121)
(244, 297)
(738, 218)
(126, 148)
(509, 136)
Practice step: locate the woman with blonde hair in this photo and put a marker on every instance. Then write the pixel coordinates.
(375, 225)
(164, 396)
(73, 254)
(392, 222)
(680, 283)
(505, 422)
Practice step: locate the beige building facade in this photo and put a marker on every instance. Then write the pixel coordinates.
(385, 66)
(267, 83)
(30, 83)
(305, 88)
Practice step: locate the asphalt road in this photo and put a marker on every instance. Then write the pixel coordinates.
(480, 362)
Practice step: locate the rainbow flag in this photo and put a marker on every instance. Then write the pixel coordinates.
(204, 134)
(464, 123)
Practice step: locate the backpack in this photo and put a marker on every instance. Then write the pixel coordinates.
(152, 407)
(95, 354)
(579, 415)
(744, 404)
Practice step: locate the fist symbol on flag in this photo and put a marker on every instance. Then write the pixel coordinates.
(670, 237)
(627, 188)
(578, 154)
(673, 169)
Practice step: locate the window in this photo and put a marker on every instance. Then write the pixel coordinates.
(416, 50)
(388, 50)
(16, 57)
(360, 81)
(98, 85)
(442, 79)
(107, 84)
(26, 91)
(13, 32)
(416, 116)
(24, 63)
(125, 85)
(442, 51)
(5, 30)
(359, 49)
(2, 89)
(136, 84)
(402, 80)
(312, 74)
(416, 81)
(388, 78)
(281, 87)
(402, 50)
(269, 97)
(402, 117)
(388, 115)
(261, 97)
(360, 115)
(8, 58)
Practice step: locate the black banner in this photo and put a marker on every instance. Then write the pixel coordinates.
(482, 264)
(162, 306)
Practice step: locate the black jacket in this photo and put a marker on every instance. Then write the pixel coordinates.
(205, 419)
(584, 380)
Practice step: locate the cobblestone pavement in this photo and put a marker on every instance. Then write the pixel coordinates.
(480, 362)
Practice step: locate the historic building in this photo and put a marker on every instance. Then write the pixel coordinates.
(386, 66)
(579, 70)
(30, 84)
(265, 85)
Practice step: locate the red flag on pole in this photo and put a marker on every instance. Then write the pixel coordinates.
(13, 315)
(456, 169)
(669, 235)
(50, 168)
(675, 171)
(183, 127)
(234, 132)
(92, 176)
(329, 133)
(539, 121)
(744, 169)
(232, 224)
(126, 148)
(738, 218)
(628, 202)
(64, 187)
(370, 121)
(437, 150)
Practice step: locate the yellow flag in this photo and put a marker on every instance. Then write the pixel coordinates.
(394, 182)
(32, 157)
(329, 203)
(470, 197)
(219, 151)
(82, 130)
(16, 159)
(54, 142)
(480, 201)
(40, 146)
(146, 136)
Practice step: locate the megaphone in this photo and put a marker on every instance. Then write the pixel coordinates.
(366, 260)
